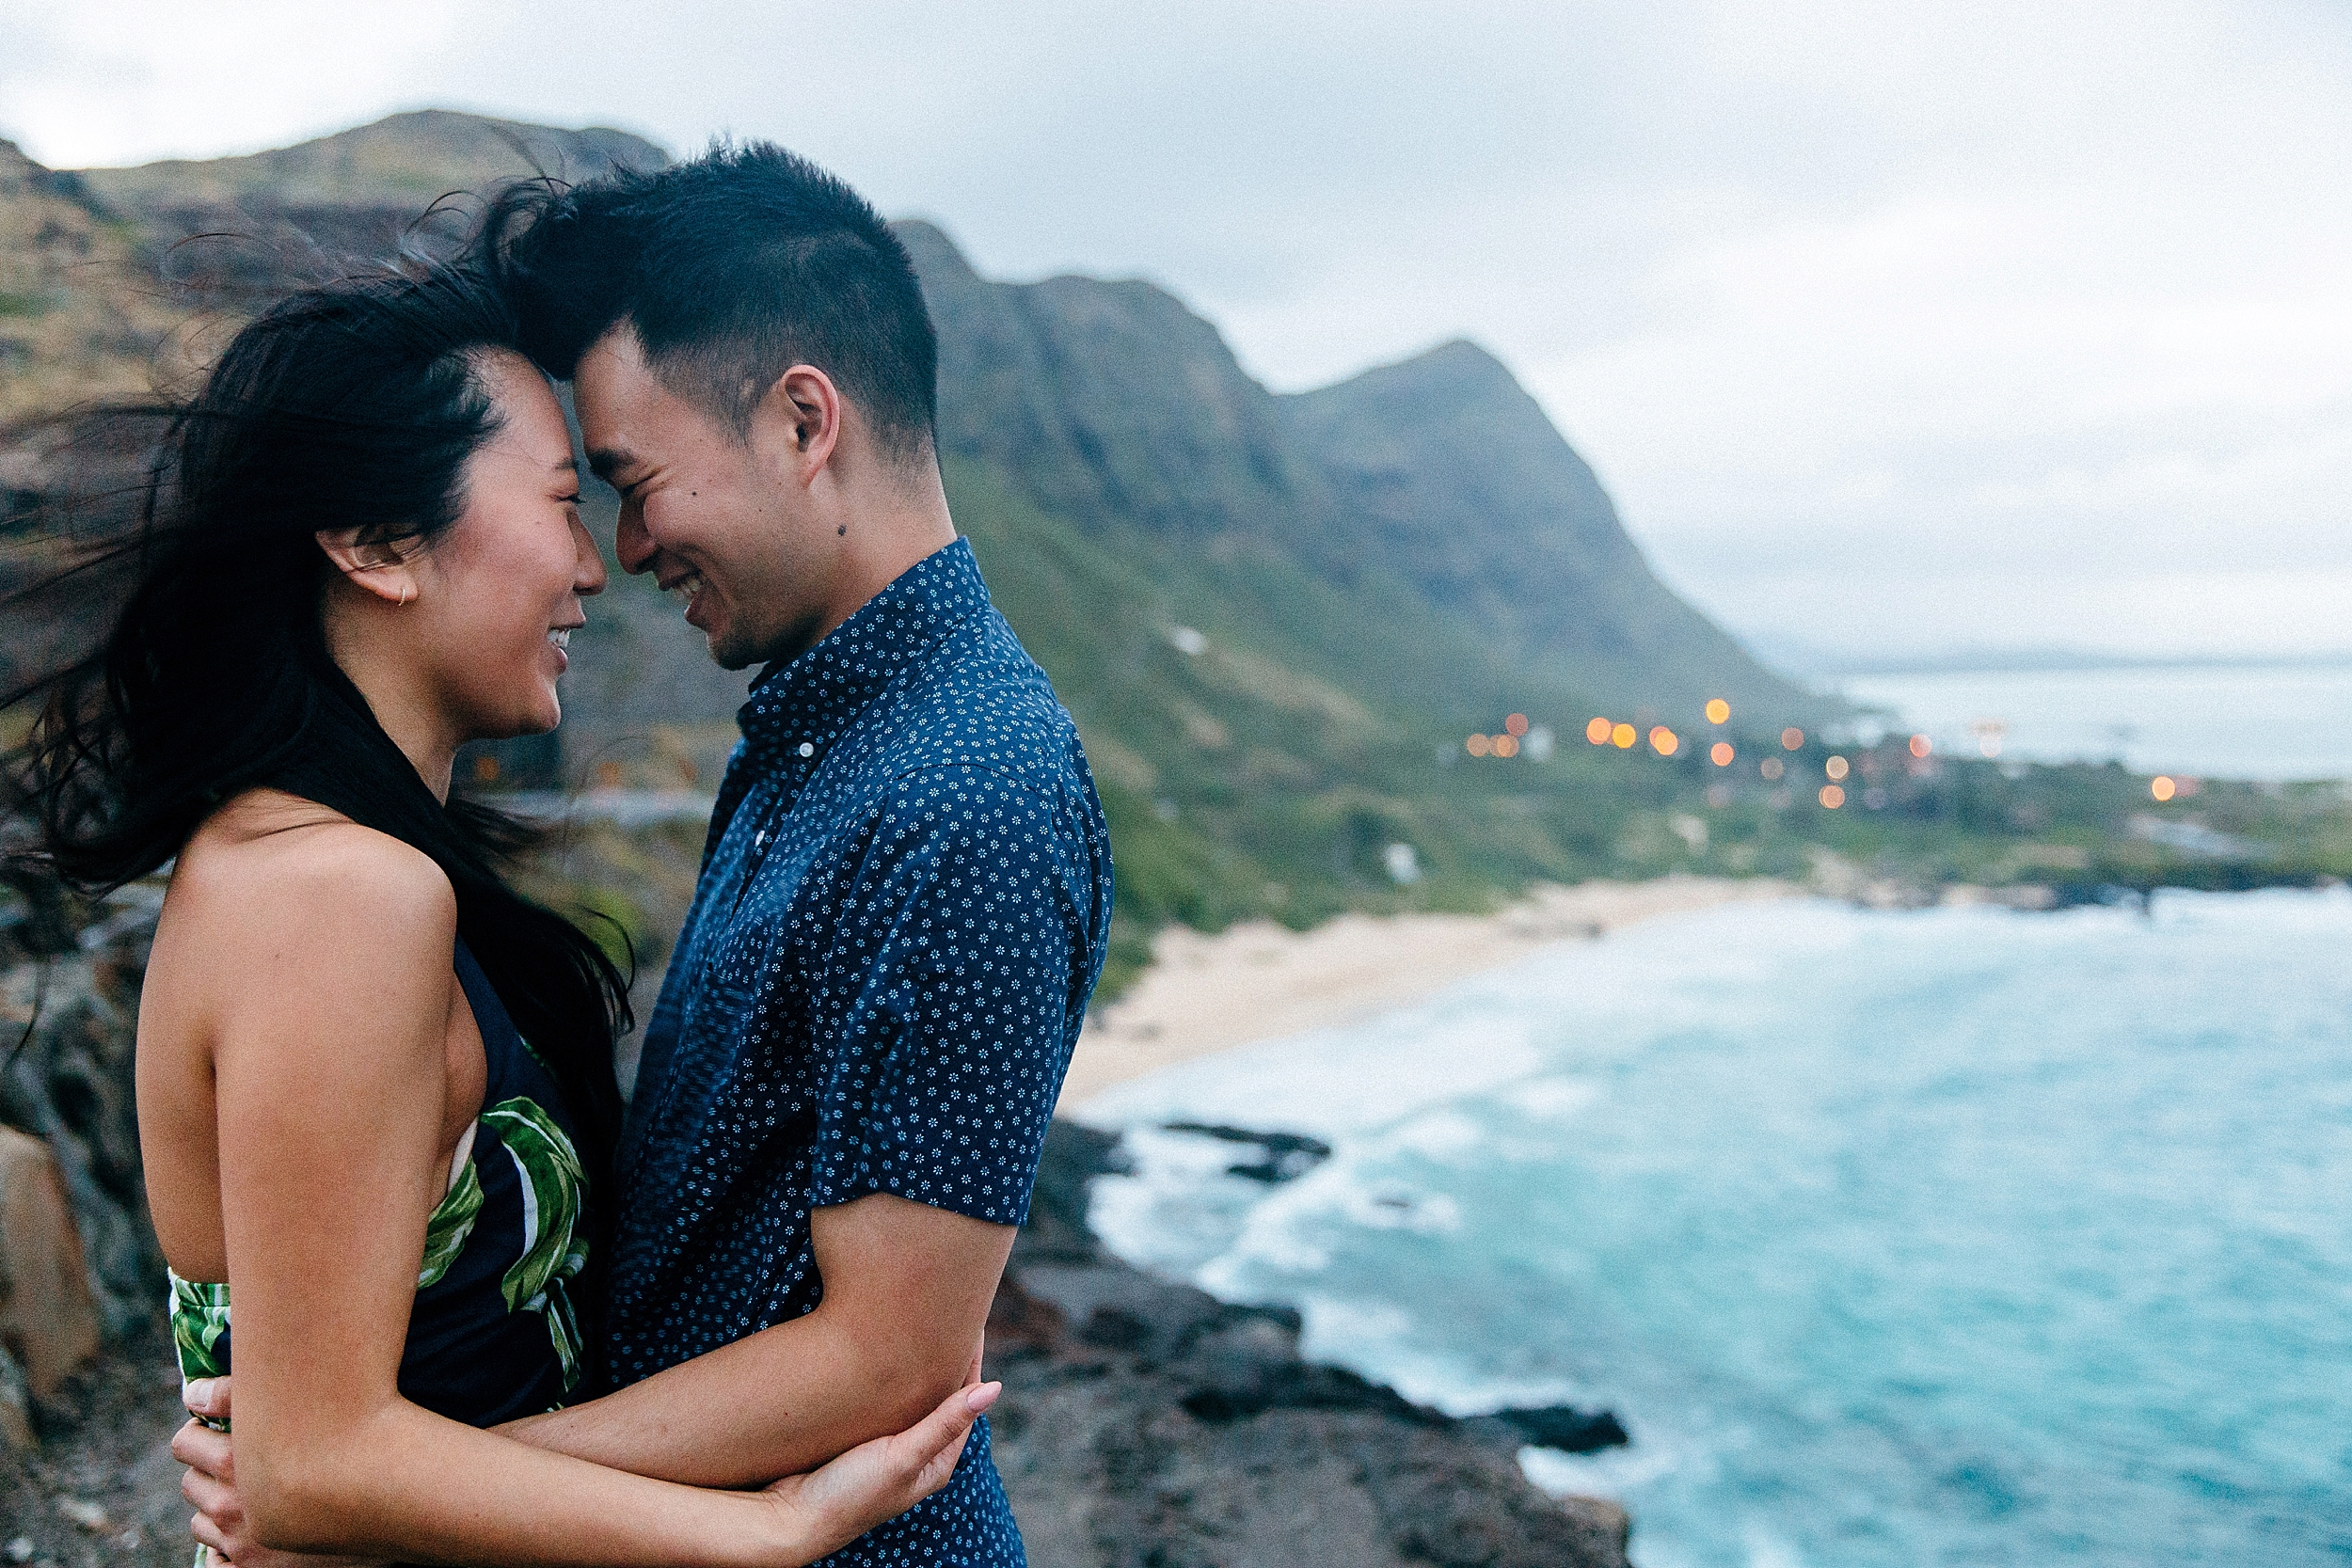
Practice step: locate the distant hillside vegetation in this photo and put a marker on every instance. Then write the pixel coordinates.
(404, 161)
(1439, 480)
(1275, 618)
(81, 316)
(1452, 476)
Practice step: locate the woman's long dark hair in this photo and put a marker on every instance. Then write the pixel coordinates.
(355, 404)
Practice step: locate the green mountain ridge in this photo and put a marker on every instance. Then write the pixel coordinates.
(405, 160)
(1275, 618)
(1440, 480)
(1479, 502)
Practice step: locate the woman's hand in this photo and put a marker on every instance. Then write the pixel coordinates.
(827, 1509)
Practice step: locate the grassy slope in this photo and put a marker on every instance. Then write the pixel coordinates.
(405, 160)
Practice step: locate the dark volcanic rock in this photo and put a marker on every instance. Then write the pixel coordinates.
(66, 1078)
(1568, 1429)
(1287, 1154)
(1145, 1424)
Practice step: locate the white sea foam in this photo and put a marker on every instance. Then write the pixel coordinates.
(1853, 1217)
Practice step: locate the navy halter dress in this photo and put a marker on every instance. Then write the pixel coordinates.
(493, 1335)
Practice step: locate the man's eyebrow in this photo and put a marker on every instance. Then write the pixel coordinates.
(605, 461)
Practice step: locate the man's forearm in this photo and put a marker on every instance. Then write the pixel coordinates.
(773, 1404)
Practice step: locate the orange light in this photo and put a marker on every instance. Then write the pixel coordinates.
(1717, 710)
(1478, 745)
(1833, 797)
(1506, 745)
(1836, 767)
(1920, 746)
(1722, 754)
(1792, 737)
(1515, 725)
(1622, 737)
(1597, 732)
(2162, 788)
(1665, 741)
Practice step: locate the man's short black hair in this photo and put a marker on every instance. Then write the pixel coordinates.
(731, 269)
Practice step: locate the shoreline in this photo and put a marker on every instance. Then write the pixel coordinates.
(1259, 981)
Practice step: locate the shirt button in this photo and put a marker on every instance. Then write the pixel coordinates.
(807, 750)
(759, 839)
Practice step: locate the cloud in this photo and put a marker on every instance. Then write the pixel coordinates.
(2034, 312)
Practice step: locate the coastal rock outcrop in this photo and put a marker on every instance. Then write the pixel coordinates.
(1145, 1422)
(48, 1322)
(72, 1005)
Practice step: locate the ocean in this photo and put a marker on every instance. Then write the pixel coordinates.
(1947, 1237)
(2289, 721)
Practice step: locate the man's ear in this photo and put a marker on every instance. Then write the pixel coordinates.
(376, 568)
(800, 417)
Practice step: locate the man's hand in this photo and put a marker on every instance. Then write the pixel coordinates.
(210, 1484)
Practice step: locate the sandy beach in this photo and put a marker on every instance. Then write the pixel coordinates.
(1259, 981)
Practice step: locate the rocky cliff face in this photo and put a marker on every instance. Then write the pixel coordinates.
(1147, 1425)
(79, 314)
(70, 1009)
(1456, 477)
(1439, 479)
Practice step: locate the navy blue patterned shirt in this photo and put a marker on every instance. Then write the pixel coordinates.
(902, 913)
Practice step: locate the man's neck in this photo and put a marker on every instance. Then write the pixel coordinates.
(885, 543)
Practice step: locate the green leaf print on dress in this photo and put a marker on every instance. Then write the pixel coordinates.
(451, 1224)
(553, 1181)
(199, 1316)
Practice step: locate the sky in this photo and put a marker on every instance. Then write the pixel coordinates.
(1894, 328)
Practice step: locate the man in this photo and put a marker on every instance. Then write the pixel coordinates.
(907, 884)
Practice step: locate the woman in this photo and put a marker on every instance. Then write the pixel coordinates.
(375, 1087)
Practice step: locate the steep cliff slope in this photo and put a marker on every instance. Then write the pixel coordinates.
(1437, 483)
(1451, 475)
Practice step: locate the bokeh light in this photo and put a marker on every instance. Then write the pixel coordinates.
(1718, 711)
(1722, 754)
(1832, 796)
(1921, 745)
(1622, 737)
(1792, 737)
(1665, 741)
(1506, 745)
(2162, 788)
(1772, 767)
(1836, 767)
(1597, 732)
(1478, 745)
(1515, 725)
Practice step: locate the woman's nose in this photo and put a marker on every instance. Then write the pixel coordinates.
(588, 575)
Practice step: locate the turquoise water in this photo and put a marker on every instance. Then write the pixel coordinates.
(1952, 1236)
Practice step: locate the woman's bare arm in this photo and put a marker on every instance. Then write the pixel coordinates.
(329, 1073)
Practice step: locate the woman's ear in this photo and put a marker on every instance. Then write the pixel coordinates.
(374, 568)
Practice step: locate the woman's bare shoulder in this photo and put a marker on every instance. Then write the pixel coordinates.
(267, 861)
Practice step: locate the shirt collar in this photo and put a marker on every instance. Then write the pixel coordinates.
(798, 711)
